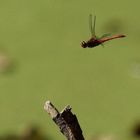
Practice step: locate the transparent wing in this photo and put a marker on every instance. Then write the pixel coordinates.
(92, 25)
(105, 35)
(102, 45)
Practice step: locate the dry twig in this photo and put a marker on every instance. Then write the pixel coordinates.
(66, 121)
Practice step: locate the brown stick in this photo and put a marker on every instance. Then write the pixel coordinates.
(66, 121)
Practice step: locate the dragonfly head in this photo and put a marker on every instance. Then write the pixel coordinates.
(84, 44)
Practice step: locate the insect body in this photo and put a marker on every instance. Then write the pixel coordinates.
(94, 41)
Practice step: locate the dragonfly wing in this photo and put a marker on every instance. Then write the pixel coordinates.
(105, 35)
(102, 45)
(97, 37)
(92, 25)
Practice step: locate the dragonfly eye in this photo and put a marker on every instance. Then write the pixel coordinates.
(84, 44)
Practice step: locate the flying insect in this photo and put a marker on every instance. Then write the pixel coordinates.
(94, 41)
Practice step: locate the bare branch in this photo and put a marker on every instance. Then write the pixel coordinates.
(66, 121)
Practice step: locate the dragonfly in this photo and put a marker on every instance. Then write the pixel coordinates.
(94, 41)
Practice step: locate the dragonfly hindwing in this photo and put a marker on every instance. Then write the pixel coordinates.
(105, 35)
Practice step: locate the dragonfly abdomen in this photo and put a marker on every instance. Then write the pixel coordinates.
(102, 40)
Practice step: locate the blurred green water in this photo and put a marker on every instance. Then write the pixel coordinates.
(43, 39)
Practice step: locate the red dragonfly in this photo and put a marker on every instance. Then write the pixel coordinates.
(94, 40)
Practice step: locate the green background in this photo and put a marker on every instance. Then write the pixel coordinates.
(43, 40)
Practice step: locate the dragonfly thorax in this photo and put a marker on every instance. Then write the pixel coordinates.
(93, 42)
